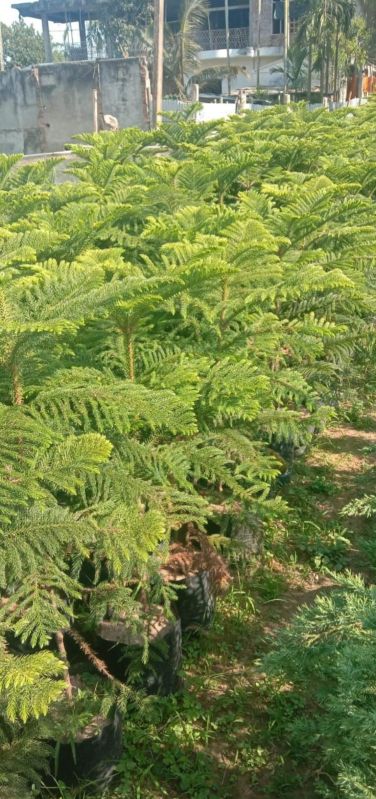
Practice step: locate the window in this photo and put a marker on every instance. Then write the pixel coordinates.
(217, 20)
(172, 12)
(297, 10)
(278, 16)
(238, 18)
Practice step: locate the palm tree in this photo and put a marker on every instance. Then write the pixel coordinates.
(368, 9)
(181, 46)
(344, 12)
(182, 65)
(320, 30)
(306, 40)
(128, 29)
(296, 67)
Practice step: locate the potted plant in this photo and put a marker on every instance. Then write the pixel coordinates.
(142, 648)
(86, 743)
(200, 575)
(84, 727)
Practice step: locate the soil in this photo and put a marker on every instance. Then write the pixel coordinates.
(350, 455)
(222, 729)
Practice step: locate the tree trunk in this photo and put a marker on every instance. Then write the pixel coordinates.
(309, 73)
(336, 64)
(327, 67)
(322, 71)
(181, 59)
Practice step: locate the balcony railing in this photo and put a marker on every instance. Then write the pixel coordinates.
(216, 39)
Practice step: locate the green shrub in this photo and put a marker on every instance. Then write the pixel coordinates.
(325, 708)
(190, 304)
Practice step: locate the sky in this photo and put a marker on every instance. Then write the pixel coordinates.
(9, 15)
(6, 13)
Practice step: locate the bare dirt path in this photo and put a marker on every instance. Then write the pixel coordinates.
(348, 456)
(351, 455)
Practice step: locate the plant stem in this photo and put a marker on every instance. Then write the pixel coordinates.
(17, 386)
(131, 358)
(225, 297)
(59, 637)
(127, 332)
(90, 654)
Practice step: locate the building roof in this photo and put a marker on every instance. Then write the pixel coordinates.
(61, 10)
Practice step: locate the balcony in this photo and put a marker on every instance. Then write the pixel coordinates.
(216, 39)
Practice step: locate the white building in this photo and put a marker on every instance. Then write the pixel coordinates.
(237, 35)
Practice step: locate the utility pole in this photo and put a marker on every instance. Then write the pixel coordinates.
(286, 96)
(2, 64)
(46, 33)
(158, 61)
(258, 45)
(227, 25)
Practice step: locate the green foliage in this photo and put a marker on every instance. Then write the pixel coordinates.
(23, 45)
(369, 11)
(327, 658)
(28, 684)
(124, 26)
(174, 728)
(190, 305)
(364, 506)
(326, 546)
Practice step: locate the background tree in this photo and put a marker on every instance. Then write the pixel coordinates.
(181, 48)
(129, 30)
(368, 8)
(356, 47)
(296, 67)
(125, 28)
(306, 40)
(323, 27)
(23, 45)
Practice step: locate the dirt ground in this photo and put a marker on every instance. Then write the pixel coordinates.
(350, 455)
(216, 741)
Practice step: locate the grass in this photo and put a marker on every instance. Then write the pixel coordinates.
(222, 737)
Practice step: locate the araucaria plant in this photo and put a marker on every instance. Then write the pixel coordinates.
(196, 299)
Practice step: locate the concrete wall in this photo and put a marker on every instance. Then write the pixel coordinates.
(246, 67)
(125, 91)
(42, 108)
(267, 38)
(212, 111)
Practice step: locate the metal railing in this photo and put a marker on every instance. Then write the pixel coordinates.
(76, 53)
(216, 39)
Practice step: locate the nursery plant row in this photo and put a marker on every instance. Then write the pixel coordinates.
(178, 321)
